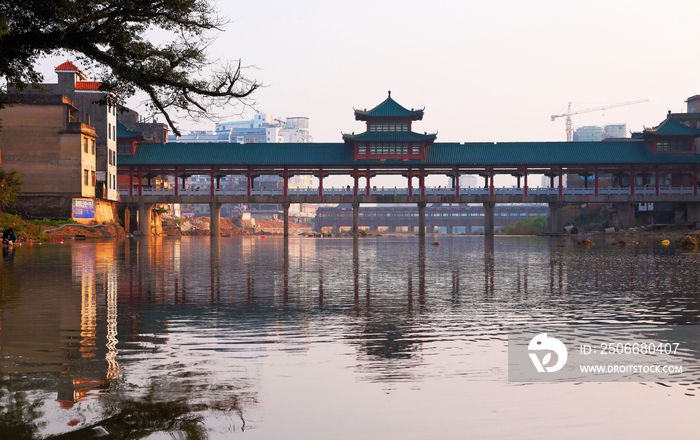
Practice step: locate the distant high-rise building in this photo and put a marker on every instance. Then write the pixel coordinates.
(465, 181)
(616, 131)
(263, 128)
(588, 133)
(594, 133)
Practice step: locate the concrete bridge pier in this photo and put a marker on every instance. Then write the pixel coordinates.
(215, 224)
(624, 218)
(421, 219)
(355, 217)
(129, 219)
(488, 218)
(693, 212)
(145, 219)
(556, 219)
(680, 216)
(285, 207)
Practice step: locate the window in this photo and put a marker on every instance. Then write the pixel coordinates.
(361, 149)
(93, 143)
(415, 149)
(86, 176)
(677, 145)
(85, 145)
(94, 178)
(388, 126)
(109, 131)
(388, 149)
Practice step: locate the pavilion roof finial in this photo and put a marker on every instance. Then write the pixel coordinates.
(389, 93)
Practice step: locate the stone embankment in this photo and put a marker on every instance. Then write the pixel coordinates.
(111, 230)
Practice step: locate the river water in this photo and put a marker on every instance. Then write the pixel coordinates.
(380, 337)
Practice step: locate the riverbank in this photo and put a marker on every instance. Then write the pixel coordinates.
(200, 226)
(45, 229)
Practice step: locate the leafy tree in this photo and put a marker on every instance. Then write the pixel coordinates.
(10, 185)
(113, 36)
(528, 226)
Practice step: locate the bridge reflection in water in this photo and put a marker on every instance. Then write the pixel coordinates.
(189, 334)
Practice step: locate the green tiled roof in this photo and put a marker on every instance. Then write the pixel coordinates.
(672, 127)
(124, 132)
(389, 109)
(438, 154)
(400, 136)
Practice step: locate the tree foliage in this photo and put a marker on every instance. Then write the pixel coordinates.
(528, 226)
(115, 37)
(10, 185)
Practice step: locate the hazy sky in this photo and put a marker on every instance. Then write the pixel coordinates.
(484, 70)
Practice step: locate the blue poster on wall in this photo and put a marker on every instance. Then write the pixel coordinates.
(83, 208)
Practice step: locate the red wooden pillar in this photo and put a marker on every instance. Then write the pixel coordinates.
(410, 182)
(356, 178)
(176, 183)
(632, 180)
(367, 177)
(656, 181)
(320, 182)
(421, 182)
(140, 176)
(561, 182)
(595, 182)
(492, 189)
(456, 182)
(525, 182)
(131, 182)
(285, 176)
(249, 185)
(211, 180)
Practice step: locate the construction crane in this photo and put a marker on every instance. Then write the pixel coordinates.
(569, 113)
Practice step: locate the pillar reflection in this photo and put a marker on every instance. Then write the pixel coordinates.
(215, 268)
(356, 273)
(285, 270)
(421, 272)
(489, 265)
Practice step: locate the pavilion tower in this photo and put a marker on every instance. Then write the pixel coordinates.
(389, 134)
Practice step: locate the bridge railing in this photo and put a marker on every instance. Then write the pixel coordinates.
(395, 191)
